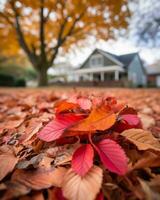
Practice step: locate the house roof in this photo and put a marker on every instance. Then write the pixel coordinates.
(126, 59)
(122, 60)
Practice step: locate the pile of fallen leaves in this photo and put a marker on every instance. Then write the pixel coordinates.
(75, 147)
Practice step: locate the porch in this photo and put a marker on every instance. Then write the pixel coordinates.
(99, 74)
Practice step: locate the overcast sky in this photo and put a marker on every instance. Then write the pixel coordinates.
(122, 45)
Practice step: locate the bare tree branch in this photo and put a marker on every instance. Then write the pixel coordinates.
(21, 38)
(60, 39)
(41, 32)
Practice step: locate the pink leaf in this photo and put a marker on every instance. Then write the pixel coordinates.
(128, 119)
(132, 120)
(112, 156)
(84, 103)
(82, 159)
(55, 129)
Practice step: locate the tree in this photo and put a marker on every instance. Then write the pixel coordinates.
(146, 23)
(42, 28)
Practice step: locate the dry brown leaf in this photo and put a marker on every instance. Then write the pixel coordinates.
(40, 178)
(155, 183)
(80, 188)
(146, 110)
(36, 196)
(32, 129)
(149, 193)
(7, 161)
(147, 121)
(13, 123)
(15, 189)
(34, 162)
(149, 159)
(62, 160)
(144, 140)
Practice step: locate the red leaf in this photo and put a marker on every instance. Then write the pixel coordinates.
(56, 194)
(112, 156)
(128, 110)
(128, 121)
(82, 159)
(54, 129)
(59, 194)
(100, 196)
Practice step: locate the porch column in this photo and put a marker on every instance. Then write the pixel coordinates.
(116, 75)
(102, 76)
(91, 77)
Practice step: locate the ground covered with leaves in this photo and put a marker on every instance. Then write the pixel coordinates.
(80, 144)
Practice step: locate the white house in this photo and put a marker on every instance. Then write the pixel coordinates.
(103, 66)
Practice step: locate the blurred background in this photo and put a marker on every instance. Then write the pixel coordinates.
(112, 43)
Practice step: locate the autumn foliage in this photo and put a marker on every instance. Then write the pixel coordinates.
(45, 29)
(76, 147)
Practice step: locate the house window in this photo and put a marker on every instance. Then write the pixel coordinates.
(96, 61)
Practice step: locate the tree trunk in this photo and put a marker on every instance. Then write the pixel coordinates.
(42, 77)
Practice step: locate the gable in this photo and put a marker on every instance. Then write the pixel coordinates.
(138, 60)
(105, 60)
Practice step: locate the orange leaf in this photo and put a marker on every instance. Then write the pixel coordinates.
(64, 106)
(76, 187)
(99, 119)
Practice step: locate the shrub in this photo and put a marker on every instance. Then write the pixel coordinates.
(7, 80)
(11, 81)
(21, 82)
